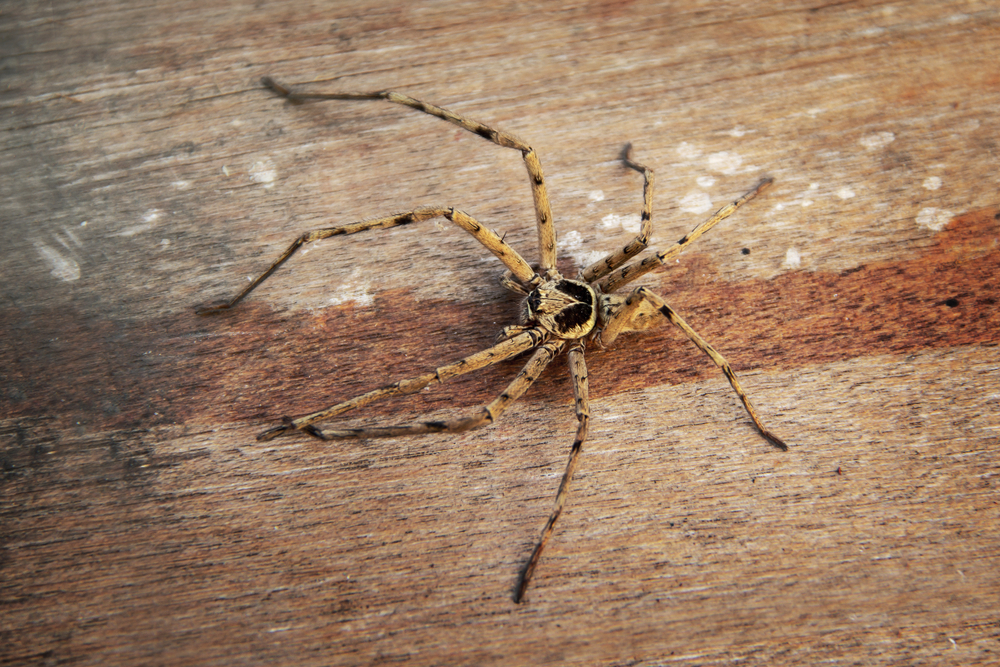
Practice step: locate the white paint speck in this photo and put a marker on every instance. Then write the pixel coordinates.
(68, 231)
(596, 195)
(725, 162)
(737, 131)
(687, 151)
(181, 185)
(845, 192)
(263, 172)
(877, 140)
(793, 259)
(149, 219)
(872, 31)
(585, 259)
(225, 170)
(353, 289)
(309, 247)
(571, 240)
(807, 202)
(932, 183)
(696, 202)
(706, 181)
(61, 267)
(631, 222)
(571, 244)
(933, 219)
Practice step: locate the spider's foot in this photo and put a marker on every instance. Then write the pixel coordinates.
(314, 432)
(211, 310)
(626, 154)
(268, 82)
(629, 161)
(774, 440)
(272, 433)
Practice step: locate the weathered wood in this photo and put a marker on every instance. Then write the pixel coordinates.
(147, 172)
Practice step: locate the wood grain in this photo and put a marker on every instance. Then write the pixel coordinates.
(147, 172)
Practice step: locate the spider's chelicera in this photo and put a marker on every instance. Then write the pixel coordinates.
(557, 313)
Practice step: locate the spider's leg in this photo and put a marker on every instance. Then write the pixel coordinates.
(720, 361)
(485, 415)
(630, 272)
(508, 283)
(543, 211)
(603, 267)
(578, 367)
(494, 243)
(502, 351)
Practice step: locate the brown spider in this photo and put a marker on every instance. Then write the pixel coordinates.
(557, 313)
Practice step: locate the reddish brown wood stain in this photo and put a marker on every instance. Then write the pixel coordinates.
(255, 364)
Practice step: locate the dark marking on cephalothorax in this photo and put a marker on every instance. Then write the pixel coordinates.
(578, 291)
(574, 316)
(566, 308)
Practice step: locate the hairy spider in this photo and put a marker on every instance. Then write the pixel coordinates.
(557, 314)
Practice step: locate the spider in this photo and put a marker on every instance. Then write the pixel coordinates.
(558, 314)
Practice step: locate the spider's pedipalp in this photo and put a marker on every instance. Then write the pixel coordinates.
(508, 282)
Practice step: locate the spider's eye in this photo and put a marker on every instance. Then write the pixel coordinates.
(534, 302)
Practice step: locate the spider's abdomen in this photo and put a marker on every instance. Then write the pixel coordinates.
(565, 308)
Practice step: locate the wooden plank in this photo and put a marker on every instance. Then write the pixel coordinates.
(147, 172)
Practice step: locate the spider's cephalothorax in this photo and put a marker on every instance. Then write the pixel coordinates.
(565, 308)
(558, 315)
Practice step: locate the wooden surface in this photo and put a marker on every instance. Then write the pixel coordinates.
(146, 172)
